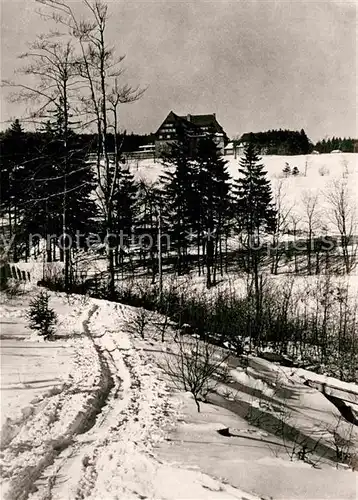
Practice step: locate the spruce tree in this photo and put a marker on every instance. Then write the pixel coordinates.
(13, 186)
(41, 316)
(305, 144)
(256, 216)
(253, 195)
(60, 187)
(212, 201)
(286, 170)
(179, 198)
(125, 208)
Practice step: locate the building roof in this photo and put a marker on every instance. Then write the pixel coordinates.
(204, 121)
(195, 121)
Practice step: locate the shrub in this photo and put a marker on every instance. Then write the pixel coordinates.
(41, 317)
(197, 367)
(4, 275)
(286, 170)
(323, 171)
(140, 322)
(14, 289)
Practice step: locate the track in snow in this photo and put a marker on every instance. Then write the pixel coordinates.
(36, 442)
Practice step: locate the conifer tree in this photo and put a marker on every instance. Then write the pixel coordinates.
(147, 220)
(256, 216)
(13, 186)
(253, 195)
(125, 207)
(42, 318)
(212, 201)
(286, 170)
(179, 197)
(305, 145)
(13, 155)
(60, 186)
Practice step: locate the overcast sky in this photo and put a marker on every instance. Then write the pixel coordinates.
(257, 64)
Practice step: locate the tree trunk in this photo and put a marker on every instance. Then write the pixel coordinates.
(110, 257)
(209, 261)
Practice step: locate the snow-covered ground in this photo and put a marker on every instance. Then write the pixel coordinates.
(252, 455)
(317, 176)
(30, 367)
(250, 459)
(310, 166)
(100, 419)
(88, 432)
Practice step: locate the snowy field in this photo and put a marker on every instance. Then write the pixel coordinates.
(91, 415)
(318, 168)
(317, 176)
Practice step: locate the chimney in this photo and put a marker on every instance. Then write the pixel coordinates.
(188, 117)
(214, 115)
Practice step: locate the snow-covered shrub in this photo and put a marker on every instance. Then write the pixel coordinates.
(14, 288)
(323, 171)
(4, 275)
(196, 367)
(42, 318)
(286, 170)
(10, 282)
(140, 322)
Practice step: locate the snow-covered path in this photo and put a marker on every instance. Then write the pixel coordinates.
(51, 420)
(125, 427)
(92, 435)
(52, 435)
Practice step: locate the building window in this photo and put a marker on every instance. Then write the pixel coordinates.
(160, 137)
(167, 128)
(168, 136)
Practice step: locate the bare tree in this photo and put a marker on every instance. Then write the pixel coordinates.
(282, 217)
(197, 367)
(140, 322)
(98, 67)
(342, 213)
(120, 94)
(310, 203)
(306, 166)
(294, 222)
(52, 64)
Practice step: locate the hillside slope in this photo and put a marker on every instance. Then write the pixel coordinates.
(318, 173)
